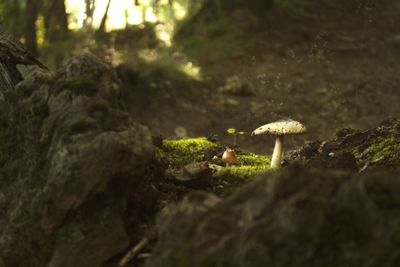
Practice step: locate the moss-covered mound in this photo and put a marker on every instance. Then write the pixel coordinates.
(293, 218)
(384, 152)
(354, 149)
(192, 153)
(178, 153)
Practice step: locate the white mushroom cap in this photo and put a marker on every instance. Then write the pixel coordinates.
(284, 127)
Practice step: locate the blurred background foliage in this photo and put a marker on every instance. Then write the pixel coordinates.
(137, 30)
(209, 65)
(57, 29)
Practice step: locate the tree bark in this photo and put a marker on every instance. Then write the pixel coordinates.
(89, 11)
(102, 27)
(12, 54)
(30, 26)
(56, 21)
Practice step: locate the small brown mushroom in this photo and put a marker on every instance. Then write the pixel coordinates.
(229, 157)
(279, 129)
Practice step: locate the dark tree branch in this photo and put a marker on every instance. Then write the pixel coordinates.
(102, 27)
(12, 54)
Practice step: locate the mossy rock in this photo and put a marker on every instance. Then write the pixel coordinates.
(66, 174)
(354, 150)
(386, 150)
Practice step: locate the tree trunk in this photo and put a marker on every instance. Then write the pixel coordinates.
(89, 11)
(30, 26)
(102, 27)
(56, 21)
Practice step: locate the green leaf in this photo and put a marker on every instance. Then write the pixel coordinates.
(241, 133)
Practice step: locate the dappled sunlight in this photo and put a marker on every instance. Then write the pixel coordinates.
(40, 35)
(164, 34)
(120, 14)
(148, 55)
(188, 68)
(114, 56)
(134, 15)
(150, 16)
(116, 111)
(164, 15)
(191, 70)
(179, 10)
(77, 11)
(123, 13)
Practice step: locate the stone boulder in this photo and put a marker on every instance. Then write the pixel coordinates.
(296, 217)
(71, 160)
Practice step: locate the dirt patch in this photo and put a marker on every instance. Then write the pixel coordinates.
(327, 66)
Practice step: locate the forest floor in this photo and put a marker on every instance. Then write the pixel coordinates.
(329, 68)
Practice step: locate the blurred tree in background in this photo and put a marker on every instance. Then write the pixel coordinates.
(213, 41)
(48, 21)
(56, 29)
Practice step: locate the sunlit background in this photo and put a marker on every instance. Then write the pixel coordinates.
(227, 49)
(164, 14)
(122, 13)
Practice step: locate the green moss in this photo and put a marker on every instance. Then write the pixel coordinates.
(396, 124)
(178, 153)
(181, 152)
(254, 160)
(250, 165)
(229, 178)
(240, 173)
(386, 150)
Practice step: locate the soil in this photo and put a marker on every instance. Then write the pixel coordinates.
(327, 67)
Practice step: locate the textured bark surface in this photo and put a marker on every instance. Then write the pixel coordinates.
(71, 159)
(12, 55)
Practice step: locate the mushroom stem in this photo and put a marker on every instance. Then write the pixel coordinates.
(278, 152)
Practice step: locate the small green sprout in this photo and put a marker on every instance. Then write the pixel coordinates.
(232, 131)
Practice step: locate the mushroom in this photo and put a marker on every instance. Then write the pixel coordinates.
(279, 129)
(229, 157)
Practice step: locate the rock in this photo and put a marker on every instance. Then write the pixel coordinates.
(195, 174)
(353, 149)
(294, 218)
(77, 162)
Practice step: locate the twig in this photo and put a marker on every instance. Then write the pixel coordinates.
(135, 250)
